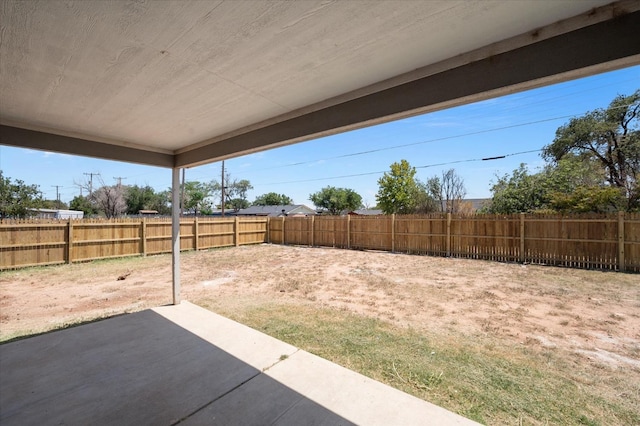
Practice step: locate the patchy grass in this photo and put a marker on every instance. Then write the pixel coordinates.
(478, 378)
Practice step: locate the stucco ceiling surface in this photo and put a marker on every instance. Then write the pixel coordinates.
(171, 74)
(167, 75)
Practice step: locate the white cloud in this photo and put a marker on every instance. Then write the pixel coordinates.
(317, 163)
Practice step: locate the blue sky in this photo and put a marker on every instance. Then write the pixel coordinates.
(524, 121)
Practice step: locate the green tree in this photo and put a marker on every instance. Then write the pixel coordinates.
(425, 201)
(519, 192)
(146, 198)
(237, 204)
(16, 198)
(161, 202)
(272, 199)
(398, 190)
(572, 184)
(54, 204)
(82, 204)
(235, 192)
(196, 197)
(239, 188)
(587, 199)
(571, 172)
(610, 137)
(335, 200)
(138, 198)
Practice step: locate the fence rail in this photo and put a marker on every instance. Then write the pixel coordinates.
(586, 241)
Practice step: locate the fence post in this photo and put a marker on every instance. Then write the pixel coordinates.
(393, 232)
(70, 241)
(236, 230)
(313, 230)
(522, 254)
(348, 231)
(621, 265)
(333, 222)
(143, 237)
(268, 230)
(448, 241)
(196, 241)
(283, 240)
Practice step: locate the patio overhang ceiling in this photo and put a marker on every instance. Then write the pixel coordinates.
(182, 83)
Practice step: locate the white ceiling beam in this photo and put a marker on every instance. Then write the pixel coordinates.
(23, 138)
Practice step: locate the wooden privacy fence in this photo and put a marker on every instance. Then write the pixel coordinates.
(580, 241)
(585, 241)
(37, 242)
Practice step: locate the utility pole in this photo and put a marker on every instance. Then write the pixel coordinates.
(91, 175)
(79, 186)
(222, 184)
(57, 187)
(119, 179)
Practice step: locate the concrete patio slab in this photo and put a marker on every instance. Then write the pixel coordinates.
(356, 397)
(184, 364)
(252, 347)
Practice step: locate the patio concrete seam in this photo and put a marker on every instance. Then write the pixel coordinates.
(277, 419)
(281, 360)
(217, 398)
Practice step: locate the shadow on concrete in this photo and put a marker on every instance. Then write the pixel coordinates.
(141, 369)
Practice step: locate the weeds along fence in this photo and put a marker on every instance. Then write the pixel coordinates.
(46, 242)
(609, 242)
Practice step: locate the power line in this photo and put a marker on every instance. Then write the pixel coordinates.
(498, 157)
(444, 138)
(417, 167)
(453, 136)
(537, 98)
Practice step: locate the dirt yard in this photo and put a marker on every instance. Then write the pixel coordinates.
(594, 315)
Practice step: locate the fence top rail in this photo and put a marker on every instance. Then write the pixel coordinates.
(97, 224)
(33, 225)
(531, 217)
(5, 221)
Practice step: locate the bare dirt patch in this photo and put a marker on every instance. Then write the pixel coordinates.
(595, 315)
(499, 343)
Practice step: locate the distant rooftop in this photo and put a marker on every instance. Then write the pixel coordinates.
(279, 210)
(366, 212)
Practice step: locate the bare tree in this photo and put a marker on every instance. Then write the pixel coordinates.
(453, 191)
(447, 191)
(110, 199)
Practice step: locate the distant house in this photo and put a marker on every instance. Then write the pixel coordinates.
(365, 212)
(275, 211)
(56, 214)
(148, 213)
